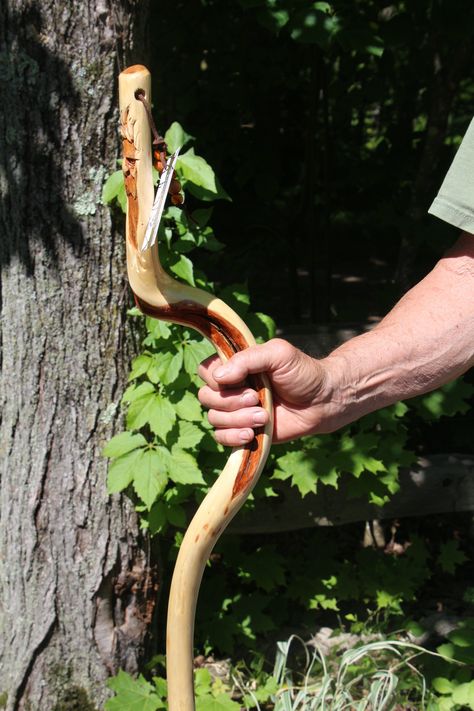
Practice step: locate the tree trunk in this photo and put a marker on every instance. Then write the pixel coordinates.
(74, 571)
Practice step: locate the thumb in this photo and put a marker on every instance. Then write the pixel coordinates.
(265, 358)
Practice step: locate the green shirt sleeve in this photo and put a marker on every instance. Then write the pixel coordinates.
(455, 200)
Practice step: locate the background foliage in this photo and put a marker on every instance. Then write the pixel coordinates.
(330, 126)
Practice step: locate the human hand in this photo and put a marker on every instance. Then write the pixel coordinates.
(302, 393)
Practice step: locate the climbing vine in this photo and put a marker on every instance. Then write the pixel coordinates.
(166, 458)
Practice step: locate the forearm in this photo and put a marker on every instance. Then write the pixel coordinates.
(425, 341)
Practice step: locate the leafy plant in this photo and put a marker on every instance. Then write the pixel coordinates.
(166, 459)
(250, 591)
(141, 695)
(157, 457)
(454, 686)
(373, 676)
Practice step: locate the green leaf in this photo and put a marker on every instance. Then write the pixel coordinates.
(150, 477)
(354, 454)
(265, 568)
(132, 694)
(323, 602)
(195, 169)
(157, 329)
(387, 600)
(462, 637)
(450, 556)
(166, 367)
(299, 466)
(189, 435)
(140, 366)
(162, 416)
(451, 399)
(152, 409)
(269, 325)
(273, 20)
(123, 443)
(314, 26)
(161, 684)
(189, 408)
(374, 49)
(208, 241)
(207, 195)
(269, 689)
(194, 353)
(442, 685)
(202, 216)
(136, 392)
(253, 612)
(122, 470)
(113, 186)
(185, 243)
(202, 681)
(237, 297)
(184, 468)
(141, 409)
(157, 518)
(447, 650)
(183, 268)
(221, 702)
(464, 695)
(176, 515)
(176, 137)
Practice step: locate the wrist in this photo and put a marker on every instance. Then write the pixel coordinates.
(336, 403)
(357, 386)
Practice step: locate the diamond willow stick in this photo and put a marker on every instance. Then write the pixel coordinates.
(159, 295)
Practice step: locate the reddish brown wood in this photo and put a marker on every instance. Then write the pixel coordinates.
(134, 68)
(226, 337)
(229, 340)
(130, 178)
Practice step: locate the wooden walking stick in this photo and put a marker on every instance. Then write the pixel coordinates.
(163, 297)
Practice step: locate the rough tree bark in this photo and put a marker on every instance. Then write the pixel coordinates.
(74, 573)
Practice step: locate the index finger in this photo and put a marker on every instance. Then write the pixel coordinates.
(206, 370)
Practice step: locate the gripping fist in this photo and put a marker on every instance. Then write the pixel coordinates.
(301, 387)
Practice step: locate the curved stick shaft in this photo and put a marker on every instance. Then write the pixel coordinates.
(160, 296)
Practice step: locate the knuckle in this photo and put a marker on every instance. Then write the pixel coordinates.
(203, 394)
(219, 437)
(283, 349)
(212, 416)
(204, 366)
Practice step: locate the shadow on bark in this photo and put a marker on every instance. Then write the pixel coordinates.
(39, 95)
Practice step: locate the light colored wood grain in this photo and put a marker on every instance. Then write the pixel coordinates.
(165, 295)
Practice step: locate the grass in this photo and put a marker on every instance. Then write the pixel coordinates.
(373, 677)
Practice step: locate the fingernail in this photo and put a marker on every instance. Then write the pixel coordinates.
(222, 371)
(245, 435)
(248, 399)
(259, 418)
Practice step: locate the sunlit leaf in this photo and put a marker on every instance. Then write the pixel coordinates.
(195, 169)
(189, 435)
(189, 408)
(122, 470)
(184, 468)
(123, 443)
(132, 694)
(183, 268)
(150, 477)
(176, 137)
